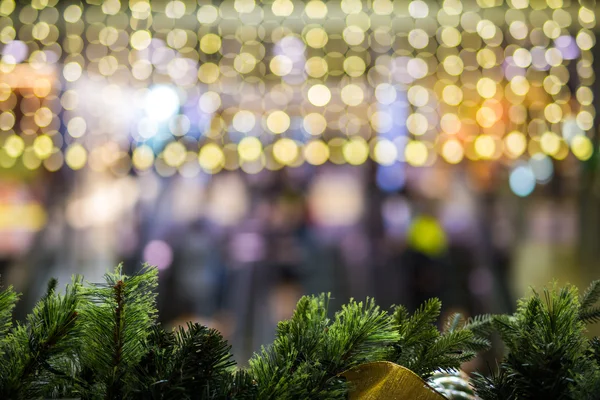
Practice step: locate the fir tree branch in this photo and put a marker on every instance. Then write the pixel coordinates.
(50, 331)
(453, 322)
(310, 351)
(8, 300)
(591, 296)
(424, 349)
(587, 385)
(498, 386)
(359, 334)
(590, 315)
(547, 350)
(50, 288)
(103, 342)
(195, 360)
(480, 325)
(241, 387)
(419, 328)
(117, 317)
(114, 387)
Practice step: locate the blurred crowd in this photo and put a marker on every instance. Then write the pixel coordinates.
(237, 250)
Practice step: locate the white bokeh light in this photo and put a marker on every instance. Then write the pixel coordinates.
(162, 102)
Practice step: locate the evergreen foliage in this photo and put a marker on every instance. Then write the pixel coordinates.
(8, 299)
(33, 352)
(497, 386)
(588, 311)
(549, 356)
(102, 341)
(189, 363)
(423, 349)
(310, 350)
(116, 317)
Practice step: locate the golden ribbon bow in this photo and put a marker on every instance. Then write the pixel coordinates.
(387, 381)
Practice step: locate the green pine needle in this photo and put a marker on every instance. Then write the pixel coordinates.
(590, 315)
(8, 300)
(588, 311)
(548, 352)
(497, 386)
(195, 360)
(102, 342)
(480, 325)
(453, 322)
(424, 349)
(32, 352)
(591, 296)
(50, 288)
(310, 350)
(116, 318)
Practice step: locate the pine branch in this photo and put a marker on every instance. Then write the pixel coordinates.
(420, 326)
(103, 342)
(298, 341)
(424, 349)
(359, 334)
(480, 325)
(587, 385)
(202, 361)
(310, 351)
(241, 387)
(546, 348)
(116, 317)
(453, 322)
(498, 386)
(590, 315)
(8, 300)
(149, 374)
(50, 288)
(591, 296)
(188, 361)
(446, 353)
(31, 350)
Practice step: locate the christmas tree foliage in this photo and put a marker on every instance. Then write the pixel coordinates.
(34, 353)
(423, 349)
(310, 350)
(549, 355)
(102, 341)
(8, 299)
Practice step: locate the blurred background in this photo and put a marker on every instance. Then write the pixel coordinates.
(256, 151)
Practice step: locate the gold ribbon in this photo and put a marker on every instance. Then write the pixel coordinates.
(387, 381)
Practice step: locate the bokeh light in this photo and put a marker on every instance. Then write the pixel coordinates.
(522, 181)
(258, 85)
(161, 103)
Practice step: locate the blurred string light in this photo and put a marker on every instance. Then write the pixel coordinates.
(426, 235)
(29, 217)
(177, 86)
(391, 178)
(161, 103)
(522, 180)
(336, 199)
(159, 253)
(541, 166)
